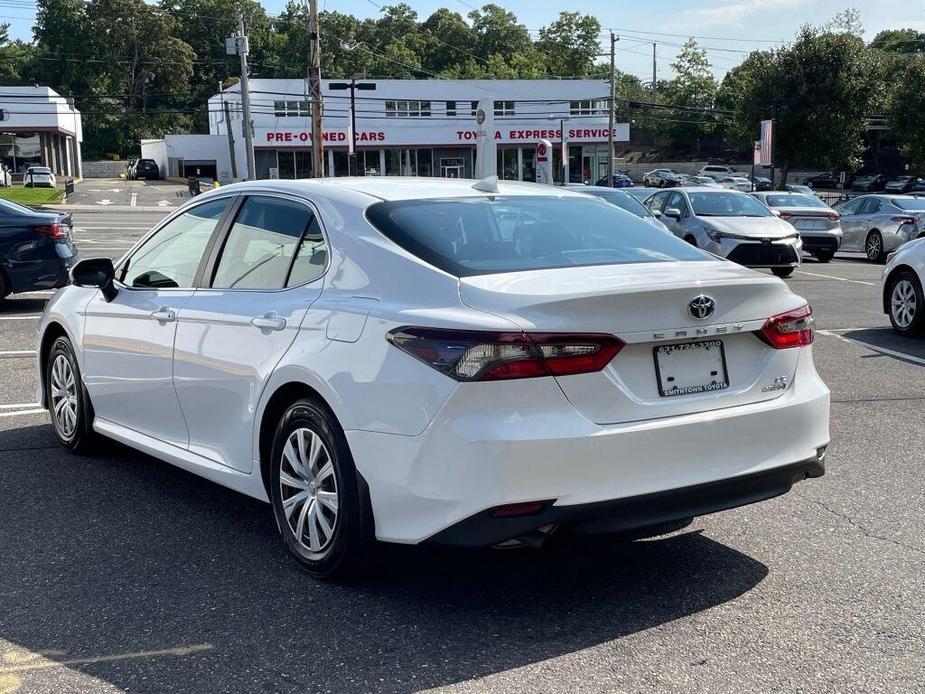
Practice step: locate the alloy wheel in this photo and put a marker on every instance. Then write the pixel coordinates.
(873, 246)
(308, 489)
(64, 396)
(903, 303)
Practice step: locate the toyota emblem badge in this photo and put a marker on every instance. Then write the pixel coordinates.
(701, 306)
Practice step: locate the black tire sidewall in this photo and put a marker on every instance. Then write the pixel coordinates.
(918, 320)
(342, 553)
(782, 273)
(824, 256)
(879, 258)
(83, 433)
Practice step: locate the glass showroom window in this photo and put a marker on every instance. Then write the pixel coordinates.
(291, 109)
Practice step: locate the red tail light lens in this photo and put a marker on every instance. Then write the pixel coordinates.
(55, 230)
(466, 355)
(902, 220)
(785, 215)
(833, 216)
(791, 329)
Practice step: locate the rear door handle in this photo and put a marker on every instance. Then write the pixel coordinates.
(164, 314)
(269, 321)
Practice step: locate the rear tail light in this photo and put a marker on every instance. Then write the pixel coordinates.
(785, 215)
(791, 329)
(55, 230)
(466, 355)
(902, 219)
(833, 216)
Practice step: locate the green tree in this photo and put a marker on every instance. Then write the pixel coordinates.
(693, 88)
(908, 111)
(902, 41)
(569, 45)
(498, 32)
(16, 57)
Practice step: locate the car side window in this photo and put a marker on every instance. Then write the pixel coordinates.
(677, 201)
(171, 257)
(850, 208)
(873, 206)
(267, 235)
(311, 258)
(656, 202)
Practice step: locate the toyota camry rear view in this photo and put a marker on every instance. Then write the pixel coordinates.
(432, 361)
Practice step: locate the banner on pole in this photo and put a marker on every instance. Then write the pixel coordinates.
(767, 143)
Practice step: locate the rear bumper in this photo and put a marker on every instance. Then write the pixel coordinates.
(510, 442)
(634, 513)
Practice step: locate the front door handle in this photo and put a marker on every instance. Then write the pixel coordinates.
(269, 321)
(164, 314)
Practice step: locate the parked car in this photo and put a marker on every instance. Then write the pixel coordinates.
(130, 169)
(797, 188)
(717, 171)
(146, 169)
(900, 184)
(732, 225)
(870, 183)
(698, 181)
(735, 183)
(36, 249)
(760, 182)
(877, 225)
(901, 289)
(829, 179)
(428, 388)
(620, 180)
(624, 201)
(662, 178)
(38, 177)
(819, 225)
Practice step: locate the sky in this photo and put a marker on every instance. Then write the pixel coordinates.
(728, 29)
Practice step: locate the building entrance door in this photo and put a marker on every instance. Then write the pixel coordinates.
(451, 167)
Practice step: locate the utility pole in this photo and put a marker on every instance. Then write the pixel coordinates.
(225, 108)
(314, 89)
(654, 74)
(246, 99)
(613, 106)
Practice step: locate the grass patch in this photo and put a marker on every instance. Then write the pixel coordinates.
(32, 196)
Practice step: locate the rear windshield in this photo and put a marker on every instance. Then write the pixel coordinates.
(794, 201)
(912, 204)
(729, 204)
(481, 236)
(623, 201)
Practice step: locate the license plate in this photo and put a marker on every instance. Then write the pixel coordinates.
(810, 224)
(690, 368)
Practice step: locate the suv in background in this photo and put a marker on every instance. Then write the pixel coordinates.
(147, 169)
(717, 171)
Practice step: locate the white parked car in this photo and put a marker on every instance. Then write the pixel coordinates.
(6, 178)
(426, 360)
(717, 171)
(38, 177)
(700, 181)
(739, 183)
(901, 287)
(731, 225)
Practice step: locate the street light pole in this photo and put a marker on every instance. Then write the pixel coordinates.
(563, 155)
(242, 46)
(353, 86)
(613, 106)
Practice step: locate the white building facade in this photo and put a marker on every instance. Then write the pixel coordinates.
(39, 127)
(403, 127)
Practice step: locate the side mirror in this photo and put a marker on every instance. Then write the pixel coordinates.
(776, 213)
(96, 272)
(657, 214)
(673, 213)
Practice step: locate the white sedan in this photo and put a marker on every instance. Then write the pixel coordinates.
(38, 177)
(739, 183)
(901, 287)
(426, 360)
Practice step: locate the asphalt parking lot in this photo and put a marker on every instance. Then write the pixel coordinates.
(116, 192)
(118, 572)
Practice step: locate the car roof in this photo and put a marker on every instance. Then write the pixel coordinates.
(365, 190)
(586, 189)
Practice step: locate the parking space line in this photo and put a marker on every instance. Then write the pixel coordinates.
(838, 279)
(874, 348)
(22, 412)
(19, 406)
(35, 317)
(18, 353)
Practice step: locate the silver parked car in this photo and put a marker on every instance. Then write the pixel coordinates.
(623, 200)
(877, 225)
(819, 225)
(730, 224)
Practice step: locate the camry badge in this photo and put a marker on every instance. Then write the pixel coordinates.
(701, 306)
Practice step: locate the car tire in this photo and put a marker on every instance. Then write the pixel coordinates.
(67, 399)
(873, 247)
(323, 529)
(907, 304)
(824, 256)
(782, 272)
(5, 288)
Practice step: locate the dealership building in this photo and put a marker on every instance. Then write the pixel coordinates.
(39, 127)
(403, 128)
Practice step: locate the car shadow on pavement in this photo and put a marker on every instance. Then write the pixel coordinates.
(15, 304)
(119, 557)
(887, 338)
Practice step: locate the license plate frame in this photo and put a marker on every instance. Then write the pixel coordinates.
(698, 389)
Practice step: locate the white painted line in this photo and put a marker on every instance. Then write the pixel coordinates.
(41, 292)
(838, 279)
(35, 317)
(27, 405)
(17, 353)
(874, 348)
(23, 412)
(134, 200)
